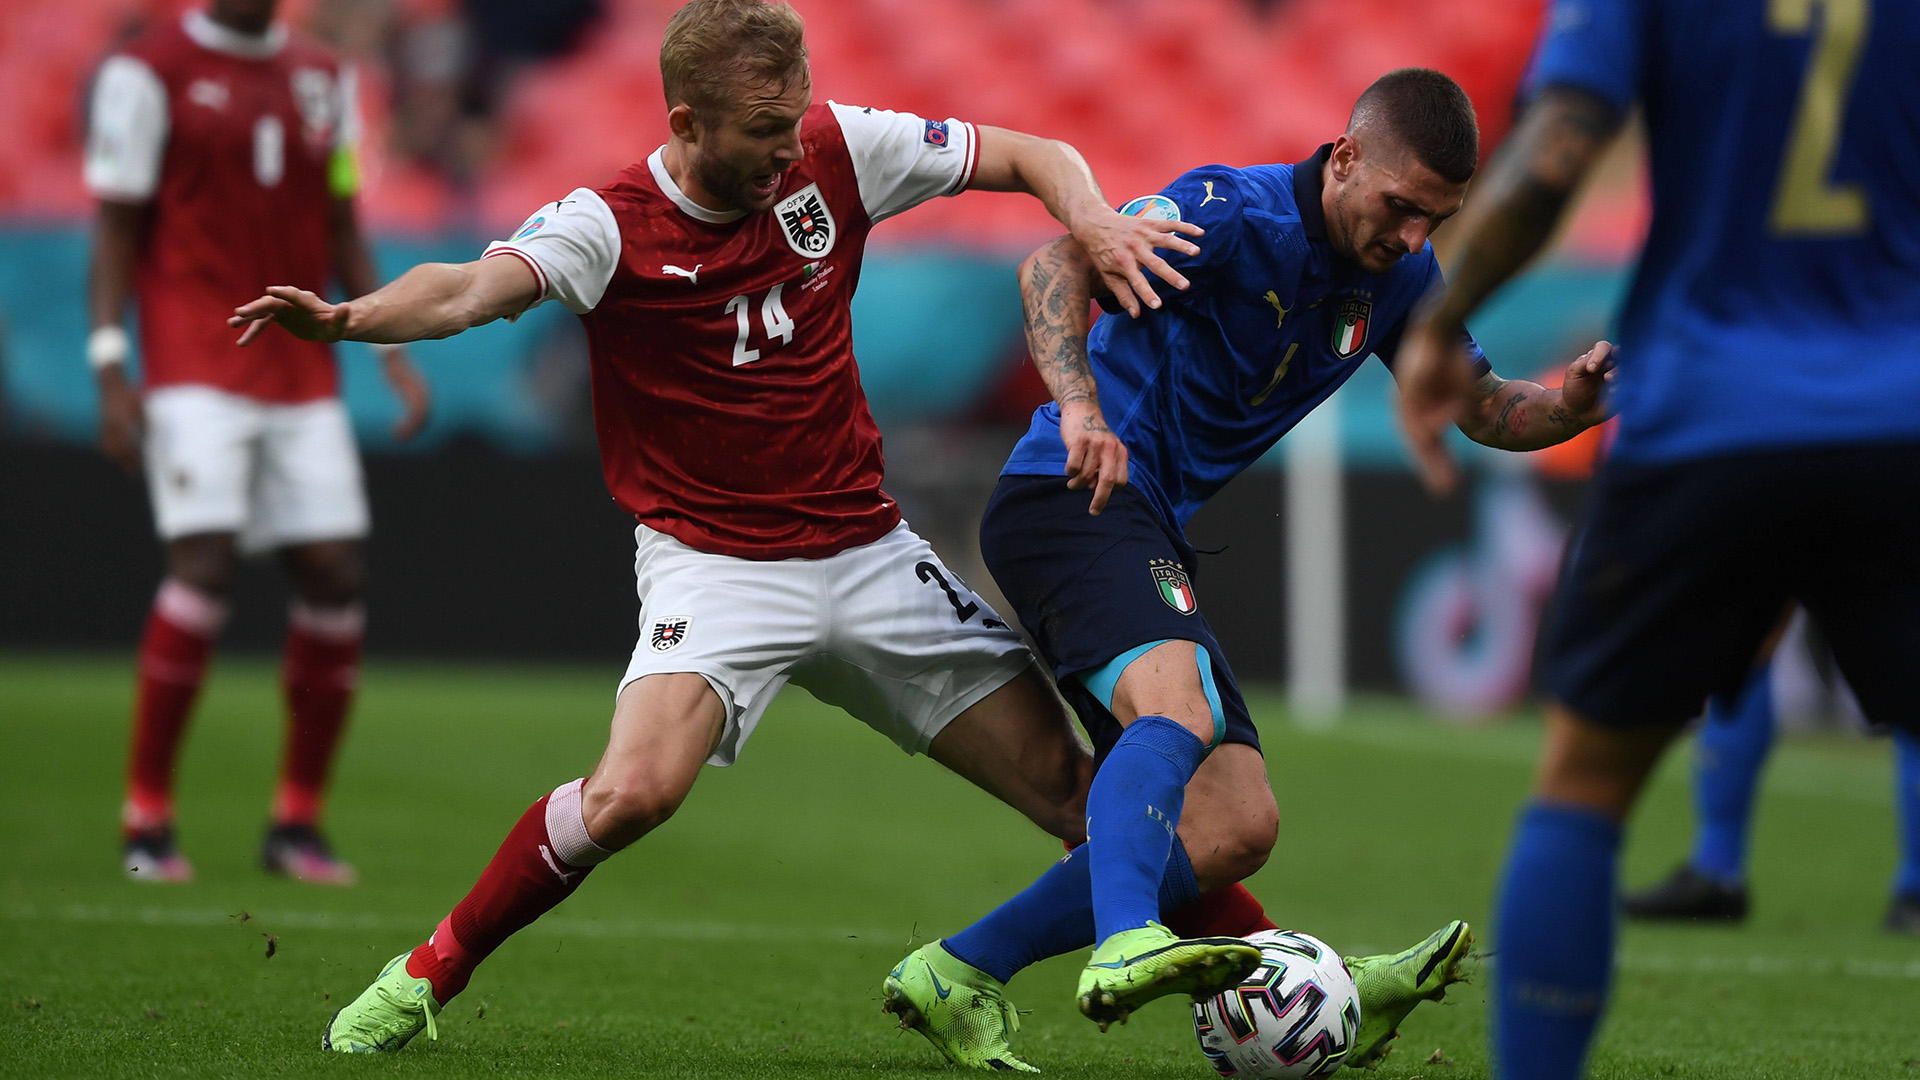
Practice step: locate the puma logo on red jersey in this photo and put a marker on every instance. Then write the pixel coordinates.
(692, 275)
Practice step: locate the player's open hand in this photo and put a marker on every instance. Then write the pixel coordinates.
(1434, 375)
(1583, 393)
(1122, 249)
(121, 419)
(1096, 458)
(416, 402)
(305, 315)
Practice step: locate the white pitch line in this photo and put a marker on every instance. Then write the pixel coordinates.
(1754, 965)
(635, 929)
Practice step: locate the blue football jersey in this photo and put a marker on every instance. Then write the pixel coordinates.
(1777, 303)
(1272, 324)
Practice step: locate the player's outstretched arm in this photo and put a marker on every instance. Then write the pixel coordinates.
(1056, 289)
(353, 268)
(1120, 248)
(1514, 414)
(432, 300)
(1507, 220)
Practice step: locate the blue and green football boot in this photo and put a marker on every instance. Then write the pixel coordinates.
(962, 1010)
(1133, 967)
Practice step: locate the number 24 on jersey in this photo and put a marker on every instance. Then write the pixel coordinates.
(773, 316)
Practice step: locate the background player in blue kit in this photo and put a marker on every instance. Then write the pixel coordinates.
(1731, 749)
(1769, 403)
(1304, 271)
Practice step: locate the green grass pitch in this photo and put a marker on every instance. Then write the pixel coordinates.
(749, 936)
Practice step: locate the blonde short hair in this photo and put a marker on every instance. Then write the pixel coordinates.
(713, 47)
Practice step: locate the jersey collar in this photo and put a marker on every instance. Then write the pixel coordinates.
(657, 163)
(1306, 193)
(214, 37)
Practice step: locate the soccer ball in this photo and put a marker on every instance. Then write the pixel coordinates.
(1294, 1018)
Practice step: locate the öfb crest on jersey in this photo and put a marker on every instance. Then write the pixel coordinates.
(806, 222)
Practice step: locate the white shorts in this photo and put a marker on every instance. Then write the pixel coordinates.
(274, 474)
(884, 631)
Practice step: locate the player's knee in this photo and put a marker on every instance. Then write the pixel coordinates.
(1232, 847)
(621, 810)
(204, 563)
(327, 574)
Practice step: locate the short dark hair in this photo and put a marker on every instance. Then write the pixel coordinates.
(1429, 114)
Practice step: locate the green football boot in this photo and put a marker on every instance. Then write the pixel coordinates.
(386, 1015)
(1133, 967)
(962, 1010)
(1390, 986)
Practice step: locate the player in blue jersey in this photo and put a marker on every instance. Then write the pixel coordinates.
(1304, 271)
(1769, 402)
(1730, 750)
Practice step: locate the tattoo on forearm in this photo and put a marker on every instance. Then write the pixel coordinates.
(1056, 296)
(1527, 186)
(1559, 416)
(1508, 423)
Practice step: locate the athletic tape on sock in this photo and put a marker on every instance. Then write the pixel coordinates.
(344, 623)
(189, 609)
(567, 827)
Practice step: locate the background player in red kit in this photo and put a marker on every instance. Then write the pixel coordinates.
(714, 280)
(222, 150)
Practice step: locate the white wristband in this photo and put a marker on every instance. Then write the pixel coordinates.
(385, 350)
(107, 346)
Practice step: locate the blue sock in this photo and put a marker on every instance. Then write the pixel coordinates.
(1132, 810)
(1727, 759)
(1906, 778)
(1554, 927)
(1054, 915)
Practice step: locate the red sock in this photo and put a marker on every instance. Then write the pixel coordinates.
(525, 880)
(174, 650)
(320, 666)
(1228, 912)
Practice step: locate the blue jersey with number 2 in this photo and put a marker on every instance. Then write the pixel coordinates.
(1778, 301)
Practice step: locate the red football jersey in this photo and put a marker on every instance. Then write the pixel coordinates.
(229, 139)
(728, 405)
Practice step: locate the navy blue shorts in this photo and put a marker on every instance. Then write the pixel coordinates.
(1092, 588)
(1678, 572)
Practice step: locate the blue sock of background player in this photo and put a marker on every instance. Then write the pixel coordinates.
(1906, 779)
(1727, 758)
(1054, 915)
(1554, 920)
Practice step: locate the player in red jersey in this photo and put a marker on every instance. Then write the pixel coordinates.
(222, 149)
(714, 280)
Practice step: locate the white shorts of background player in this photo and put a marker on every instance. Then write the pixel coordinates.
(884, 631)
(274, 474)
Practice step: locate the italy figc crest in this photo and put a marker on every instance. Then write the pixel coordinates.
(806, 222)
(1350, 328)
(1175, 589)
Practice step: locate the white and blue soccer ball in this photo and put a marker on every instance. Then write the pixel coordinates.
(1295, 1018)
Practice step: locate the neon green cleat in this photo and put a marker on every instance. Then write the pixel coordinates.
(386, 1015)
(1390, 987)
(1133, 967)
(962, 1010)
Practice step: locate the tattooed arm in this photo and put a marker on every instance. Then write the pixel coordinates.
(1057, 288)
(1507, 220)
(1513, 414)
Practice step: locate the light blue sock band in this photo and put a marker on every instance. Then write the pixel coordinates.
(1101, 681)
